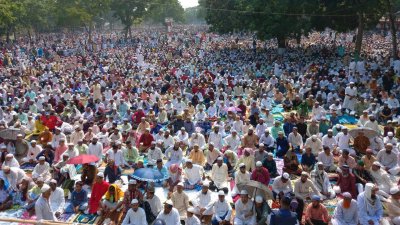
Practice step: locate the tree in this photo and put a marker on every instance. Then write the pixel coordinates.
(161, 9)
(129, 11)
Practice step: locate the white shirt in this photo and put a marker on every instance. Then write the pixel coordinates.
(316, 146)
(55, 142)
(260, 129)
(194, 174)
(118, 157)
(155, 204)
(347, 216)
(197, 138)
(243, 209)
(154, 154)
(15, 177)
(343, 140)
(192, 220)
(171, 218)
(203, 200)
(387, 160)
(169, 141)
(295, 140)
(43, 210)
(325, 159)
(233, 142)
(220, 175)
(183, 137)
(135, 218)
(329, 141)
(278, 186)
(42, 171)
(57, 200)
(33, 152)
(216, 138)
(220, 209)
(268, 141)
(95, 149)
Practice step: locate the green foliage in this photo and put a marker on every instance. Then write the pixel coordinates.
(161, 9)
(130, 11)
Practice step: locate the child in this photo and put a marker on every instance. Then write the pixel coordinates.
(79, 199)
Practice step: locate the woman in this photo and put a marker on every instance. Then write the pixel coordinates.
(175, 176)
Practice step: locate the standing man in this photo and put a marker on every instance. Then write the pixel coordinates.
(350, 99)
(57, 199)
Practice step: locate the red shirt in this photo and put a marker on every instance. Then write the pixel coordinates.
(98, 190)
(137, 116)
(261, 176)
(146, 139)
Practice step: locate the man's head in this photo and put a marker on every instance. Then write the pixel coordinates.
(304, 177)
(150, 192)
(78, 186)
(388, 148)
(395, 193)
(46, 191)
(244, 196)
(347, 200)
(259, 201)
(132, 184)
(221, 196)
(53, 184)
(376, 166)
(135, 204)
(205, 187)
(179, 187)
(168, 206)
(190, 212)
(99, 177)
(316, 200)
(220, 161)
(285, 177)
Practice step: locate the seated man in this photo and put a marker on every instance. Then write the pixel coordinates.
(242, 176)
(112, 199)
(302, 187)
(191, 219)
(362, 175)
(132, 193)
(203, 201)
(169, 215)
(260, 174)
(346, 159)
(282, 185)
(346, 211)
(10, 161)
(262, 210)
(180, 200)
(326, 157)
(381, 179)
(270, 164)
(42, 169)
(89, 172)
(393, 205)
(112, 172)
(79, 199)
(388, 159)
(291, 163)
(197, 155)
(347, 181)
(57, 199)
(370, 209)
(135, 214)
(14, 176)
(316, 213)
(321, 181)
(6, 200)
(193, 175)
(308, 160)
(34, 150)
(245, 212)
(153, 201)
(219, 176)
(222, 210)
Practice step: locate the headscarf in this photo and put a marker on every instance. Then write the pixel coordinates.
(368, 194)
(118, 193)
(175, 168)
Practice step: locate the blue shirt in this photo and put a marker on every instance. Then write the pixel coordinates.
(308, 160)
(78, 198)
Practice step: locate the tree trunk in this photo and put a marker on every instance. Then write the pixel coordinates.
(360, 32)
(90, 32)
(130, 31)
(29, 35)
(281, 45)
(8, 36)
(392, 21)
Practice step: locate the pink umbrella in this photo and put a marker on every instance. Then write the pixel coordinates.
(82, 159)
(233, 109)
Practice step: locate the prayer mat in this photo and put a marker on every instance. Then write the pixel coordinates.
(86, 219)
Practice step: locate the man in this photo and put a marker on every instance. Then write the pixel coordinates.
(381, 178)
(34, 150)
(284, 215)
(362, 176)
(145, 140)
(191, 218)
(321, 181)
(346, 211)
(282, 185)
(262, 210)
(282, 145)
(154, 153)
(260, 174)
(329, 140)
(153, 200)
(174, 155)
(197, 155)
(316, 213)
(368, 158)
(250, 140)
(295, 140)
(242, 176)
(232, 141)
(222, 210)
(315, 144)
(245, 212)
(347, 181)
(42, 206)
(21, 147)
(370, 209)
(203, 201)
(247, 159)
(350, 98)
(180, 200)
(326, 157)
(14, 176)
(343, 140)
(346, 159)
(388, 159)
(215, 137)
(132, 193)
(193, 175)
(42, 169)
(219, 176)
(393, 205)
(135, 215)
(268, 141)
(57, 199)
(95, 148)
(212, 155)
(131, 154)
(308, 160)
(100, 187)
(116, 155)
(302, 187)
(169, 215)
(79, 199)
(270, 164)
(6, 198)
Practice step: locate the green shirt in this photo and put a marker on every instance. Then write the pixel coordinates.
(131, 154)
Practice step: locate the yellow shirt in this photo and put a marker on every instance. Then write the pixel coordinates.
(197, 157)
(368, 162)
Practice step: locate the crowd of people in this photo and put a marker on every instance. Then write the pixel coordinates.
(209, 113)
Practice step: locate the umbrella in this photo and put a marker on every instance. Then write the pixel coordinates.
(10, 133)
(82, 159)
(368, 132)
(255, 188)
(149, 175)
(232, 109)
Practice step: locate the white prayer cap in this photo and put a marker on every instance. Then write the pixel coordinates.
(33, 141)
(241, 165)
(134, 201)
(53, 181)
(19, 135)
(394, 190)
(2, 146)
(376, 163)
(314, 137)
(42, 158)
(45, 188)
(6, 168)
(304, 174)
(206, 184)
(285, 176)
(259, 199)
(169, 202)
(258, 164)
(100, 174)
(244, 192)
(180, 184)
(390, 134)
(191, 210)
(9, 155)
(220, 193)
(319, 163)
(347, 195)
(220, 158)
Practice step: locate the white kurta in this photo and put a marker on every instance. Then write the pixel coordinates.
(43, 210)
(42, 171)
(135, 218)
(194, 174)
(171, 218)
(242, 210)
(278, 186)
(348, 102)
(344, 216)
(57, 200)
(220, 175)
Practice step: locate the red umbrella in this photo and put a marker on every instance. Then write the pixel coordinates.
(82, 159)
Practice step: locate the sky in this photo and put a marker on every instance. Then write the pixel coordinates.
(188, 3)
